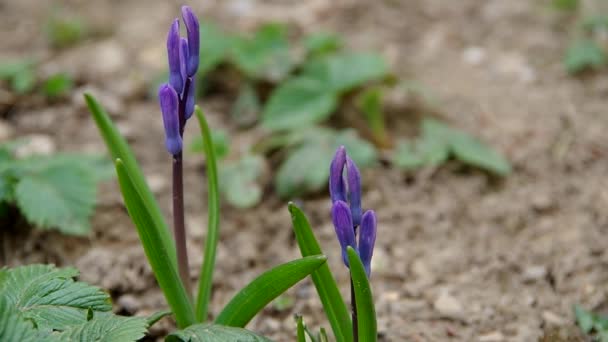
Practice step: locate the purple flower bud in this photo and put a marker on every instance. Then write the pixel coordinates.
(173, 52)
(343, 224)
(353, 179)
(337, 190)
(192, 29)
(367, 239)
(183, 58)
(190, 99)
(169, 104)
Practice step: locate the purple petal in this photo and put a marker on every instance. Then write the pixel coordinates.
(173, 48)
(192, 29)
(169, 104)
(183, 58)
(190, 98)
(353, 179)
(367, 239)
(337, 190)
(343, 224)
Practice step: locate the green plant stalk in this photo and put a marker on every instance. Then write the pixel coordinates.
(353, 304)
(148, 229)
(366, 312)
(333, 303)
(119, 149)
(213, 226)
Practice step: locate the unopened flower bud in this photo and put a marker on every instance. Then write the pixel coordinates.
(337, 189)
(192, 28)
(169, 104)
(173, 52)
(367, 239)
(343, 224)
(190, 99)
(353, 180)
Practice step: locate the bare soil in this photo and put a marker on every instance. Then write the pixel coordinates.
(460, 256)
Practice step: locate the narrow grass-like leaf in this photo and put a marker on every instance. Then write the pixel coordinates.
(119, 149)
(300, 330)
(213, 226)
(333, 304)
(366, 312)
(148, 229)
(262, 290)
(157, 316)
(214, 333)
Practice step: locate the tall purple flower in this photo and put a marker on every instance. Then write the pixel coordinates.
(345, 185)
(169, 107)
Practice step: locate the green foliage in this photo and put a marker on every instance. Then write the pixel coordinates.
(268, 286)
(438, 142)
(63, 31)
(596, 23)
(584, 54)
(20, 74)
(370, 104)
(53, 192)
(57, 85)
(221, 144)
(324, 281)
(214, 333)
(215, 47)
(366, 312)
(247, 106)
(565, 5)
(44, 303)
(319, 44)
(590, 323)
(306, 167)
(239, 180)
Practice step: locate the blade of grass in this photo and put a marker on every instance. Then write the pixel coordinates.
(333, 303)
(300, 330)
(366, 312)
(262, 290)
(148, 228)
(213, 226)
(119, 149)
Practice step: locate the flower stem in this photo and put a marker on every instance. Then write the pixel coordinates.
(179, 228)
(353, 304)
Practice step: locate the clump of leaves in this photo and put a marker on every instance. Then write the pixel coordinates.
(44, 303)
(52, 192)
(22, 79)
(63, 30)
(438, 142)
(57, 85)
(591, 323)
(587, 50)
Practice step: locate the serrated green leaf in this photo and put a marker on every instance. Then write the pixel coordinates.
(214, 333)
(298, 102)
(366, 312)
(13, 327)
(239, 181)
(266, 55)
(315, 153)
(50, 297)
(215, 46)
(58, 197)
(343, 72)
(322, 43)
(148, 229)
(333, 304)
(584, 54)
(247, 107)
(107, 328)
(57, 85)
(256, 295)
(221, 144)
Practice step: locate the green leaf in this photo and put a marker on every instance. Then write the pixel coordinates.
(596, 23)
(584, 54)
(239, 181)
(214, 49)
(214, 333)
(300, 330)
(322, 43)
(262, 290)
(565, 5)
(221, 144)
(157, 316)
(471, 151)
(247, 107)
(13, 327)
(107, 328)
(333, 304)
(57, 85)
(213, 225)
(50, 297)
(315, 153)
(23, 81)
(266, 55)
(366, 312)
(298, 102)
(584, 319)
(59, 197)
(63, 31)
(119, 149)
(370, 104)
(148, 228)
(9, 69)
(343, 72)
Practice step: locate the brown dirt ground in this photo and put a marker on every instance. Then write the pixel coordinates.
(460, 256)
